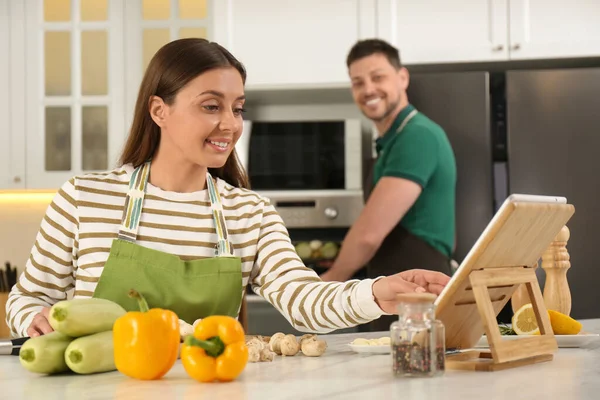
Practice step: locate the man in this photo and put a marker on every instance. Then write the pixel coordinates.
(409, 217)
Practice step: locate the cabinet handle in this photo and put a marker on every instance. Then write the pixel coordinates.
(17, 179)
(498, 48)
(516, 46)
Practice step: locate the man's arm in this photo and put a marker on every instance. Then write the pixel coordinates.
(388, 203)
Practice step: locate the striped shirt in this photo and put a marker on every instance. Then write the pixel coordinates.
(84, 217)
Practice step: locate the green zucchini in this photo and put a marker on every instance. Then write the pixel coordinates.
(82, 317)
(45, 354)
(91, 354)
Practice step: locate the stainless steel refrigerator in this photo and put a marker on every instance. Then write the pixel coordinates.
(525, 131)
(553, 130)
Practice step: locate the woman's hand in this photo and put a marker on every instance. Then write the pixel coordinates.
(385, 290)
(40, 325)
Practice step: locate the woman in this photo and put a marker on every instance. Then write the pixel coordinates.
(176, 221)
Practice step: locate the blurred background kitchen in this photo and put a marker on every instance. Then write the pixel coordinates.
(515, 84)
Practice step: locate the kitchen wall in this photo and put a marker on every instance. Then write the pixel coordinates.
(20, 218)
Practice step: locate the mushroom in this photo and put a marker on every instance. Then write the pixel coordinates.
(289, 345)
(311, 347)
(265, 339)
(274, 343)
(308, 336)
(253, 354)
(185, 329)
(258, 351)
(266, 355)
(254, 342)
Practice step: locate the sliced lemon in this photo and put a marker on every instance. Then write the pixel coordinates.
(563, 324)
(524, 322)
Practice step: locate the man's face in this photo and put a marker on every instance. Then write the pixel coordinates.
(377, 87)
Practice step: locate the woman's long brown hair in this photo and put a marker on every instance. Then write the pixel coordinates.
(171, 68)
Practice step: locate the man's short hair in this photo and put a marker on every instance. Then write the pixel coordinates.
(367, 47)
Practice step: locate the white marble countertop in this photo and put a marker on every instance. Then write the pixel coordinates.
(338, 374)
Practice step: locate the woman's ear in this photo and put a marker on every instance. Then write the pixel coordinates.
(158, 110)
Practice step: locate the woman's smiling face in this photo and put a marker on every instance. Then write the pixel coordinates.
(204, 122)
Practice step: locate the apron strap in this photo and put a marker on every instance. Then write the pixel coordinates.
(408, 118)
(403, 124)
(224, 247)
(130, 221)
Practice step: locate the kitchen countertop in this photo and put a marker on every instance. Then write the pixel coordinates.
(339, 373)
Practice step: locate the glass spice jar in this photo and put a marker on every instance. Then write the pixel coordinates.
(418, 339)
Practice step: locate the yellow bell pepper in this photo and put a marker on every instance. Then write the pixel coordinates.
(146, 342)
(216, 351)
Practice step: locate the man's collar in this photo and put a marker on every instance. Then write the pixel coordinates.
(382, 141)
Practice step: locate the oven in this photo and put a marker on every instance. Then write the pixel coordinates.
(311, 170)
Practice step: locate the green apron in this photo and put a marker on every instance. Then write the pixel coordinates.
(192, 289)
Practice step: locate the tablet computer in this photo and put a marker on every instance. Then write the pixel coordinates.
(516, 237)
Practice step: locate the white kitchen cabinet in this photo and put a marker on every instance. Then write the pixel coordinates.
(442, 31)
(5, 131)
(293, 42)
(541, 29)
(74, 89)
(73, 69)
(150, 24)
(12, 107)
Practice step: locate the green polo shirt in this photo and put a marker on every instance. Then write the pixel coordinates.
(422, 153)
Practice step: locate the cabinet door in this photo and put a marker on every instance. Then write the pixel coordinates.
(554, 29)
(442, 31)
(74, 88)
(12, 141)
(294, 42)
(150, 25)
(5, 132)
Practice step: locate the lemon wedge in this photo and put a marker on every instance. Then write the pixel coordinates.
(563, 324)
(524, 322)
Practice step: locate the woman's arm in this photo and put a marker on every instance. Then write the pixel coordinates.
(49, 271)
(308, 303)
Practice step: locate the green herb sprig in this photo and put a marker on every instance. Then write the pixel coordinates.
(506, 330)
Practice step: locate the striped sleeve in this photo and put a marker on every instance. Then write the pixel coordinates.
(49, 271)
(309, 304)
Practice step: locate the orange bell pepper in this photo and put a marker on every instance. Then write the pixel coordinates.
(146, 342)
(216, 351)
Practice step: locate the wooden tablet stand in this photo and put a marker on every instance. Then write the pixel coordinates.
(500, 262)
(505, 354)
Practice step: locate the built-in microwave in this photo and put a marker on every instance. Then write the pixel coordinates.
(311, 170)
